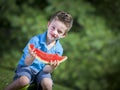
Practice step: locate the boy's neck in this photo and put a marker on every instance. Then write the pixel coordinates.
(50, 44)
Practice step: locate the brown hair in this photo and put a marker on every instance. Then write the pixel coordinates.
(64, 17)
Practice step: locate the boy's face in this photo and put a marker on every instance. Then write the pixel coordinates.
(56, 30)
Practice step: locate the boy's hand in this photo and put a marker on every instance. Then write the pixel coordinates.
(49, 68)
(30, 57)
(54, 64)
(32, 53)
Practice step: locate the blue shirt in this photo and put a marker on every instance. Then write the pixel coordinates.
(39, 42)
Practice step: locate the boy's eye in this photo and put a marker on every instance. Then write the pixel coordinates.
(53, 27)
(59, 32)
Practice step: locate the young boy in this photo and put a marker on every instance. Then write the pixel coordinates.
(30, 69)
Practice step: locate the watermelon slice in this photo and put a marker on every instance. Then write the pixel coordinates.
(45, 57)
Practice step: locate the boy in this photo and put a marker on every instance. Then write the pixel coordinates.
(30, 69)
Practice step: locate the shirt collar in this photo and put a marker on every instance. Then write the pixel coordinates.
(43, 38)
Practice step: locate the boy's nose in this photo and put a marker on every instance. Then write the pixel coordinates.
(55, 33)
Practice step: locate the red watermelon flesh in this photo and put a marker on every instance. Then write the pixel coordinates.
(45, 57)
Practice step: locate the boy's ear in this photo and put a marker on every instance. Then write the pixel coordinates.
(48, 24)
(64, 35)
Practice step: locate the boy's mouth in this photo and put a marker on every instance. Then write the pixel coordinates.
(53, 35)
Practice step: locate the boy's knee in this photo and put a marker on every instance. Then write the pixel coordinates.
(23, 80)
(46, 84)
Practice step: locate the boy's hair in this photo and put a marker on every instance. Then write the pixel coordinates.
(64, 17)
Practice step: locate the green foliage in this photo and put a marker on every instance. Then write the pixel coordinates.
(110, 10)
(92, 45)
(20, 23)
(90, 48)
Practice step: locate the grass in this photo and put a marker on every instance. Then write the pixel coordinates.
(5, 77)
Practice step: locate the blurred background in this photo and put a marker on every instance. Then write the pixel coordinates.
(92, 45)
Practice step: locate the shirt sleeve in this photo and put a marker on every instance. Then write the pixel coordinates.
(60, 52)
(59, 49)
(34, 41)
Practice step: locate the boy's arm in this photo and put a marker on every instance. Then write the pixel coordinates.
(29, 59)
